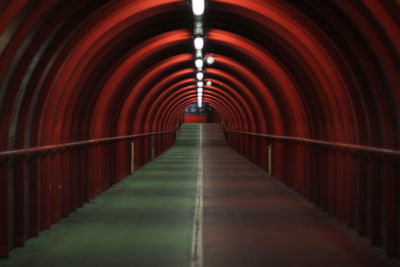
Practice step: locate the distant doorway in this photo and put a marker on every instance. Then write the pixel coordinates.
(195, 114)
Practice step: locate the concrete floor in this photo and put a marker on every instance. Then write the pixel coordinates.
(145, 220)
(251, 219)
(248, 219)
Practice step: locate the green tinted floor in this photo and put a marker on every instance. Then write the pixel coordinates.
(145, 220)
(245, 218)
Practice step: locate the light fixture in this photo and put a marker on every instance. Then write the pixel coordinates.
(209, 83)
(198, 43)
(199, 76)
(199, 63)
(198, 7)
(210, 60)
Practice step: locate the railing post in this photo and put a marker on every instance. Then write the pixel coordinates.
(79, 181)
(351, 190)
(375, 201)
(56, 185)
(362, 193)
(324, 176)
(340, 181)
(269, 157)
(20, 199)
(391, 202)
(153, 148)
(73, 199)
(132, 157)
(45, 174)
(4, 209)
(34, 195)
(315, 174)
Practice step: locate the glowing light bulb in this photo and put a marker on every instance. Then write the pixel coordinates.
(198, 43)
(209, 83)
(210, 60)
(199, 76)
(199, 63)
(200, 84)
(199, 90)
(198, 7)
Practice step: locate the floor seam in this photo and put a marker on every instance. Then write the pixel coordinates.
(197, 245)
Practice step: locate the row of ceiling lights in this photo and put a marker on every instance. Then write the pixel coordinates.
(198, 7)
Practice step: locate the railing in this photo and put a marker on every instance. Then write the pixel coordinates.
(333, 145)
(357, 184)
(52, 148)
(40, 185)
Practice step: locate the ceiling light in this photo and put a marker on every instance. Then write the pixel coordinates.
(199, 63)
(199, 76)
(200, 84)
(198, 7)
(209, 83)
(199, 90)
(210, 60)
(198, 43)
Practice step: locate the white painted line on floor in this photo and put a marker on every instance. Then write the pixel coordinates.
(197, 238)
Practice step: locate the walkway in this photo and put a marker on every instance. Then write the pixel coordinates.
(248, 219)
(251, 219)
(145, 220)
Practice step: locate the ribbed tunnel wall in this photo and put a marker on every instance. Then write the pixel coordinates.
(299, 72)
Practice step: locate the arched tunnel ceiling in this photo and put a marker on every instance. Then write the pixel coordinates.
(78, 70)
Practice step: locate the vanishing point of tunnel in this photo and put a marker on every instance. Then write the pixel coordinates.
(215, 133)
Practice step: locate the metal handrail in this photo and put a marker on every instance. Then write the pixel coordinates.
(75, 144)
(345, 146)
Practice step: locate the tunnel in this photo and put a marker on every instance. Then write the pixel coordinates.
(296, 163)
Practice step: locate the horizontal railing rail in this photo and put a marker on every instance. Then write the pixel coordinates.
(344, 146)
(51, 148)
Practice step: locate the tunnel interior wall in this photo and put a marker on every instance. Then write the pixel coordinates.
(308, 90)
